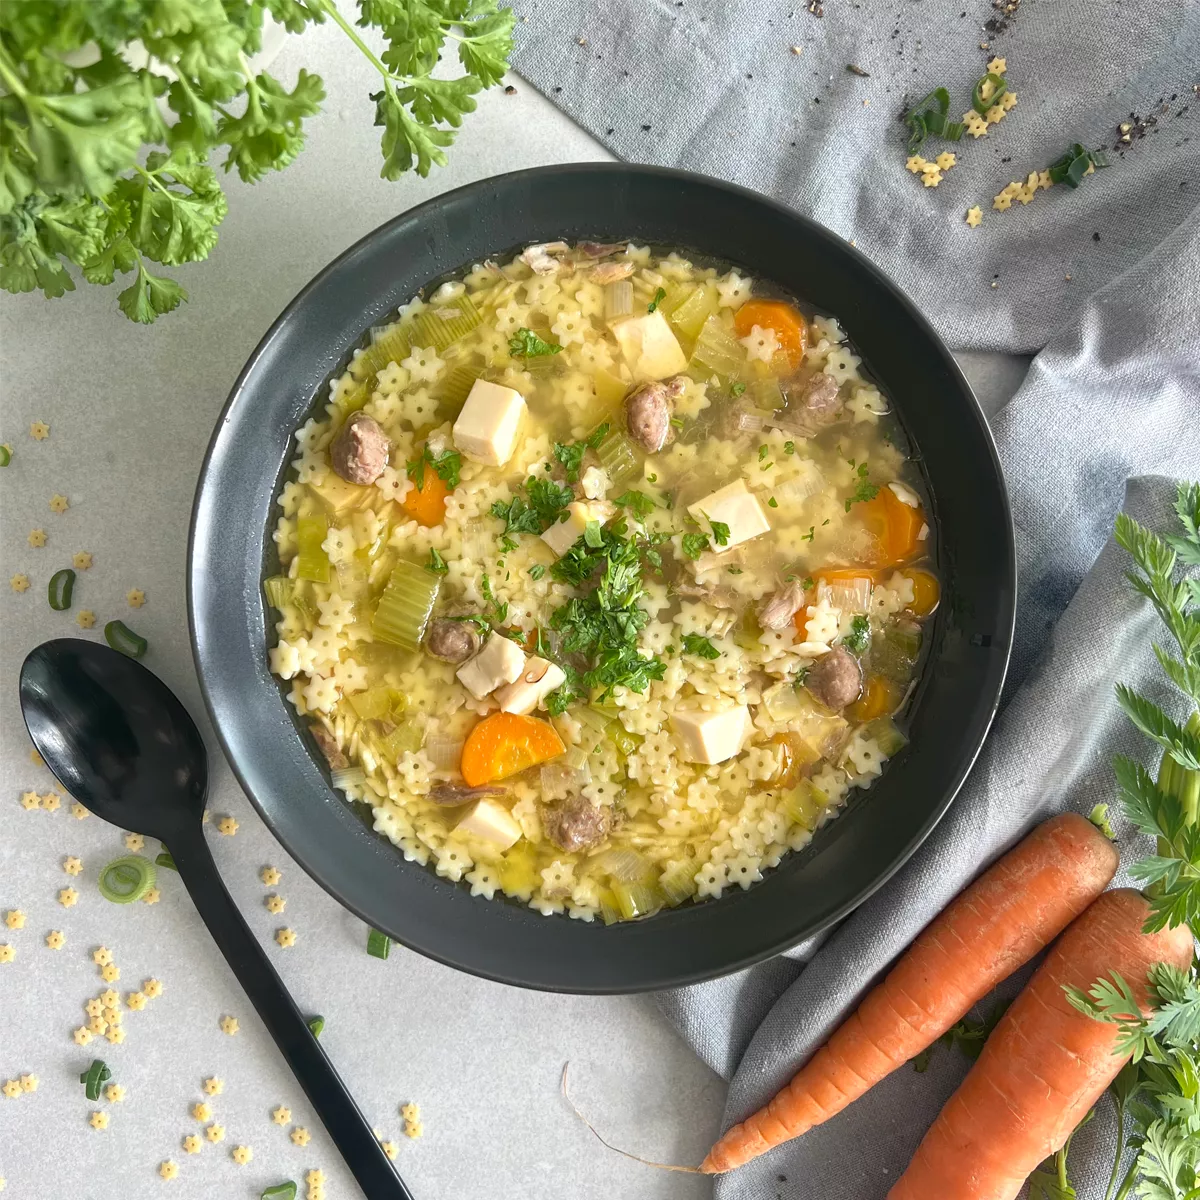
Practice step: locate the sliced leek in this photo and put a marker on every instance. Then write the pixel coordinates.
(280, 591)
(378, 703)
(678, 883)
(445, 324)
(637, 899)
(405, 606)
(453, 390)
(393, 346)
(887, 734)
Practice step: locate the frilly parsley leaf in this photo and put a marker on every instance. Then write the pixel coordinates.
(269, 135)
(150, 296)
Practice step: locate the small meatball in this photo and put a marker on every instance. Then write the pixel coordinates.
(610, 272)
(452, 641)
(819, 397)
(835, 679)
(451, 795)
(575, 823)
(777, 611)
(328, 746)
(648, 412)
(360, 451)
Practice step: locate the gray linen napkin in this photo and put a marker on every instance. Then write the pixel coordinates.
(1114, 393)
(712, 85)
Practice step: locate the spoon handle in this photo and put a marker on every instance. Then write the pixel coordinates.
(317, 1075)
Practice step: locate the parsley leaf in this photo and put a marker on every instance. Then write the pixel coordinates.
(860, 634)
(436, 563)
(447, 466)
(543, 505)
(695, 643)
(736, 388)
(660, 294)
(695, 544)
(864, 489)
(638, 503)
(720, 531)
(526, 344)
(570, 455)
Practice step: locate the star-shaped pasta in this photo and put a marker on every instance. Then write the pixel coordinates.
(72, 865)
(168, 1169)
(423, 364)
(82, 561)
(997, 65)
(270, 876)
(215, 1132)
(14, 919)
(285, 937)
(227, 826)
(946, 159)
(135, 597)
(229, 1025)
(110, 973)
(152, 989)
(275, 904)
(192, 1143)
(51, 801)
(321, 694)
(974, 216)
(59, 504)
(733, 290)
(134, 841)
(282, 1115)
(98, 1120)
(915, 163)
(86, 618)
(136, 1001)
(213, 1086)
(241, 1155)
(300, 1136)
(336, 613)
(39, 431)
(68, 897)
(114, 1093)
(56, 939)
(37, 538)
(1001, 202)
(152, 896)
(761, 344)
(19, 583)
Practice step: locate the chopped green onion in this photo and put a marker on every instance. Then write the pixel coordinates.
(94, 1078)
(379, 945)
(405, 607)
(999, 87)
(316, 1025)
(165, 860)
(445, 324)
(281, 1191)
(617, 456)
(127, 879)
(62, 584)
(279, 590)
(313, 561)
(5, 455)
(120, 637)
(928, 116)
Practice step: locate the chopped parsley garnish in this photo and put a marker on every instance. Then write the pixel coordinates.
(602, 626)
(698, 644)
(734, 570)
(807, 583)
(695, 544)
(496, 613)
(570, 454)
(677, 422)
(789, 447)
(543, 505)
(593, 537)
(736, 388)
(537, 571)
(866, 490)
(860, 633)
(763, 451)
(772, 503)
(812, 533)
(446, 466)
(639, 503)
(651, 478)
(660, 294)
(526, 344)
(720, 531)
(436, 563)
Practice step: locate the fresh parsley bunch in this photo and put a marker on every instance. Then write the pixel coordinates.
(92, 174)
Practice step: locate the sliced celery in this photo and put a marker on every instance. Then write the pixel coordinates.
(353, 580)
(766, 393)
(690, 311)
(717, 351)
(885, 731)
(393, 346)
(618, 299)
(610, 389)
(279, 591)
(637, 899)
(453, 390)
(446, 324)
(313, 562)
(518, 871)
(405, 738)
(805, 803)
(610, 914)
(348, 777)
(678, 883)
(339, 495)
(595, 726)
(378, 703)
(617, 456)
(405, 606)
(894, 653)
(624, 741)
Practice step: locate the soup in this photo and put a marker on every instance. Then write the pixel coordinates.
(602, 579)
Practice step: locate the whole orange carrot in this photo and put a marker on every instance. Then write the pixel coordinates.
(1013, 910)
(1045, 1064)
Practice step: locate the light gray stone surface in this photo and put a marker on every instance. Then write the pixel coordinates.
(130, 411)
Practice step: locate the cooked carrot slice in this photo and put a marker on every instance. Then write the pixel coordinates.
(880, 698)
(505, 743)
(896, 527)
(427, 504)
(788, 323)
(926, 591)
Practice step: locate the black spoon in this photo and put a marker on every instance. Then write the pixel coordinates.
(120, 742)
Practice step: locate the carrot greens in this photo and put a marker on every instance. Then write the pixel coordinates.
(1157, 1095)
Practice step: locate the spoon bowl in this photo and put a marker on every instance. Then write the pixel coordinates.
(119, 741)
(115, 736)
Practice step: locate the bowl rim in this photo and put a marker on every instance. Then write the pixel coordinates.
(1004, 627)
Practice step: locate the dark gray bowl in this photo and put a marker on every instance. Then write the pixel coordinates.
(230, 543)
